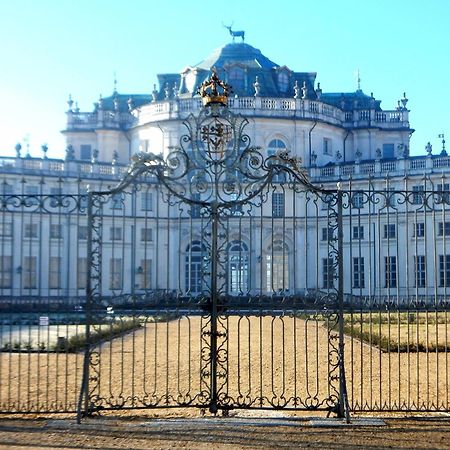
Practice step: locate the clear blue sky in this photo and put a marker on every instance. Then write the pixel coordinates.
(50, 48)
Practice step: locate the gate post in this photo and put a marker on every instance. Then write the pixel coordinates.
(343, 407)
(84, 389)
(213, 408)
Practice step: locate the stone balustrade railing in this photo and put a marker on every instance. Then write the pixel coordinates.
(270, 107)
(60, 167)
(402, 166)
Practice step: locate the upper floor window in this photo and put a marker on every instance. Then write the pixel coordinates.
(30, 230)
(358, 232)
(358, 200)
(6, 189)
(275, 146)
(85, 152)
(146, 235)
(236, 78)
(444, 229)
(32, 190)
(327, 148)
(417, 196)
(278, 204)
(115, 233)
(389, 231)
(117, 201)
(147, 201)
(6, 229)
(388, 151)
(56, 231)
(82, 232)
(419, 229)
(327, 234)
(444, 193)
(283, 81)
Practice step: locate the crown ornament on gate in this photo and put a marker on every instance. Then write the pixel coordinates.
(214, 90)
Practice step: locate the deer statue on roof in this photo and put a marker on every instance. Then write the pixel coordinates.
(235, 34)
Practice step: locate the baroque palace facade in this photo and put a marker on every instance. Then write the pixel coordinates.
(394, 237)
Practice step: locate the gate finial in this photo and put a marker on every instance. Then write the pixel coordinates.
(214, 90)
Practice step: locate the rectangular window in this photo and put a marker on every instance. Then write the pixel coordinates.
(444, 229)
(195, 209)
(328, 273)
(144, 272)
(82, 273)
(146, 201)
(54, 272)
(388, 151)
(56, 201)
(5, 272)
(6, 189)
(29, 272)
(444, 193)
(6, 229)
(115, 233)
(236, 210)
(30, 230)
(444, 270)
(85, 152)
(146, 235)
(357, 200)
(82, 232)
(358, 272)
(31, 190)
(358, 232)
(56, 190)
(56, 231)
(389, 231)
(278, 204)
(327, 150)
(116, 201)
(418, 195)
(390, 271)
(115, 273)
(419, 229)
(327, 234)
(419, 266)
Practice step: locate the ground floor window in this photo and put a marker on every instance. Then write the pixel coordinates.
(238, 268)
(277, 267)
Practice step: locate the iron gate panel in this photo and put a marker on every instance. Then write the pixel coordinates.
(40, 303)
(396, 301)
(181, 311)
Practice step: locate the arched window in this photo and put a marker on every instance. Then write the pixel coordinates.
(194, 264)
(277, 267)
(238, 268)
(275, 146)
(283, 82)
(236, 78)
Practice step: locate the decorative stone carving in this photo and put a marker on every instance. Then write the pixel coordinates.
(304, 90)
(154, 94)
(296, 90)
(257, 87)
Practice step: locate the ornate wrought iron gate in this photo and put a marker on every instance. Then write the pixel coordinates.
(206, 299)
